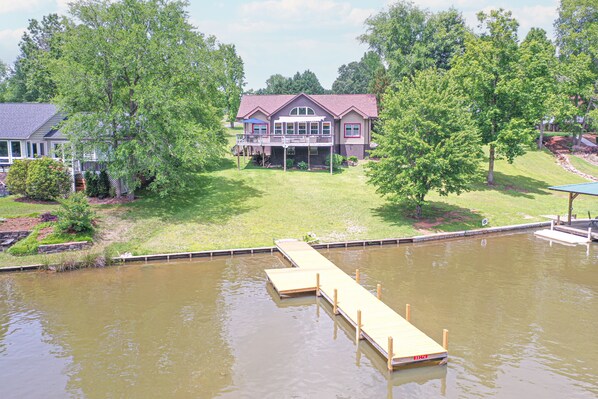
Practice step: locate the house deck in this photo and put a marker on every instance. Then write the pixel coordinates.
(396, 339)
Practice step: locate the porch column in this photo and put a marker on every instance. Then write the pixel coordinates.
(308, 158)
(263, 157)
(331, 158)
(284, 162)
(572, 196)
(238, 158)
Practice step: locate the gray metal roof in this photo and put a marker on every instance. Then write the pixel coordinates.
(19, 121)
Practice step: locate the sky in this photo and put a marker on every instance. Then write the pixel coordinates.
(285, 36)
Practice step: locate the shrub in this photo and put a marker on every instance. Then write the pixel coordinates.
(75, 215)
(353, 159)
(16, 179)
(337, 160)
(103, 184)
(91, 183)
(302, 165)
(290, 163)
(47, 179)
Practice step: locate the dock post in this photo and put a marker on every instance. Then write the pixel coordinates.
(357, 276)
(335, 304)
(318, 284)
(552, 225)
(379, 291)
(408, 313)
(358, 327)
(590, 233)
(390, 353)
(558, 220)
(445, 339)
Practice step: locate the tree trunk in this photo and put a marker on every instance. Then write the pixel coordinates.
(232, 124)
(418, 211)
(490, 178)
(541, 139)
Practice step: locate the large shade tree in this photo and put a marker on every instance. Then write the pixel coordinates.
(428, 140)
(409, 38)
(488, 73)
(232, 80)
(358, 77)
(302, 82)
(139, 86)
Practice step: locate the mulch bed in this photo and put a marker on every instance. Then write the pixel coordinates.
(19, 224)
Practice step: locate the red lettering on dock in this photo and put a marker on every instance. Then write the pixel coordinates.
(420, 357)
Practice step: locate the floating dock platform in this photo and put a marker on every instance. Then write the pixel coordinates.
(562, 237)
(394, 337)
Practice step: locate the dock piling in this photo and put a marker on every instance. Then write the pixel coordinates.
(408, 313)
(318, 285)
(357, 276)
(335, 305)
(379, 291)
(590, 233)
(445, 339)
(358, 327)
(390, 353)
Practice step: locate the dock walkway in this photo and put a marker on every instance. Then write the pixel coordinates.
(373, 320)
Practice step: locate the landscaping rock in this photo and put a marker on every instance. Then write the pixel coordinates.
(67, 246)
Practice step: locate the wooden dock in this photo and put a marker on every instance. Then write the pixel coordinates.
(562, 237)
(394, 337)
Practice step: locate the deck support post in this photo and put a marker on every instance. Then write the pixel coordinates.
(357, 276)
(318, 285)
(552, 225)
(358, 327)
(331, 158)
(379, 291)
(308, 158)
(558, 219)
(284, 162)
(390, 353)
(263, 157)
(572, 196)
(408, 313)
(238, 158)
(335, 303)
(445, 339)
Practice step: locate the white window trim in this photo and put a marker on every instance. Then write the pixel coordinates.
(317, 126)
(299, 124)
(329, 124)
(306, 108)
(352, 131)
(292, 126)
(278, 124)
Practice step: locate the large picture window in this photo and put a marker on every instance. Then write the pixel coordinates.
(290, 128)
(352, 130)
(302, 111)
(10, 150)
(326, 128)
(302, 128)
(15, 149)
(3, 151)
(314, 128)
(260, 129)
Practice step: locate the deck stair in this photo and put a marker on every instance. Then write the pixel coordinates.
(395, 338)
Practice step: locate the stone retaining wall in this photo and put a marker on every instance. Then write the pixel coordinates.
(67, 246)
(8, 235)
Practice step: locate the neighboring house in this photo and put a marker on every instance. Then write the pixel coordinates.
(30, 130)
(307, 127)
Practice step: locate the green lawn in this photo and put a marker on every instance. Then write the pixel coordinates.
(583, 166)
(227, 208)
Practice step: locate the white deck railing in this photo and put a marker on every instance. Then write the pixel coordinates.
(281, 140)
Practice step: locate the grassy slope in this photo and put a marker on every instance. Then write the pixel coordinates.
(227, 208)
(584, 166)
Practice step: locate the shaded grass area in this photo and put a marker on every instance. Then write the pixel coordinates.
(227, 208)
(9, 208)
(584, 166)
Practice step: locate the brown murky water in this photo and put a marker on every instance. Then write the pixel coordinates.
(522, 315)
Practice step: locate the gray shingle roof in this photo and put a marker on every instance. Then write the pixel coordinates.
(19, 121)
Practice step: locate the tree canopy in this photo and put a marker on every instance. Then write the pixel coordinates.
(140, 87)
(488, 74)
(358, 77)
(306, 82)
(409, 38)
(233, 80)
(428, 140)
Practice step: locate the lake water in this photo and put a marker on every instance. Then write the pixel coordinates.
(522, 316)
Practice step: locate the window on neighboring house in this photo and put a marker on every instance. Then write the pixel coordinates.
(15, 149)
(33, 150)
(290, 128)
(290, 150)
(302, 128)
(58, 150)
(302, 111)
(326, 128)
(352, 130)
(314, 128)
(313, 150)
(260, 128)
(278, 128)
(3, 151)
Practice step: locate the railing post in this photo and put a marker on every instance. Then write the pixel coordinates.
(590, 233)
(390, 353)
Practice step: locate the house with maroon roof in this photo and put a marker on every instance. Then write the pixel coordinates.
(306, 127)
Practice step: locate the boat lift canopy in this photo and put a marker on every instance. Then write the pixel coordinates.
(574, 190)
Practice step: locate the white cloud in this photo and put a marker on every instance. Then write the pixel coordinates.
(8, 6)
(9, 39)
